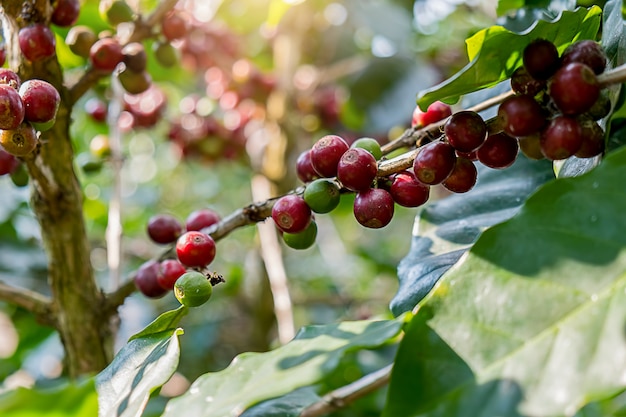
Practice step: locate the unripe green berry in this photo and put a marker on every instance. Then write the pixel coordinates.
(369, 144)
(193, 289)
(303, 240)
(322, 195)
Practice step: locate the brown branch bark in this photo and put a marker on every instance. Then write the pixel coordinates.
(39, 305)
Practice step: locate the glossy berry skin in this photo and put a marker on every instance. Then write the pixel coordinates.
(326, 153)
(322, 195)
(530, 146)
(521, 115)
(10, 78)
(11, 108)
(541, 59)
(164, 228)
(193, 289)
(20, 141)
(465, 131)
(303, 240)
(201, 219)
(523, 83)
(499, 151)
(146, 280)
(463, 176)
(41, 101)
(593, 140)
(195, 249)
(434, 162)
(105, 54)
(173, 26)
(436, 112)
(8, 162)
(562, 138)
(373, 208)
(291, 214)
(65, 12)
(586, 52)
(304, 168)
(574, 89)
(357, 169)
(407, 191)
(169, 271)
(37, 42)
(369, 144)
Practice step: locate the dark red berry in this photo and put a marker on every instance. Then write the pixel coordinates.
(357, 169)
(436, 112)
(574, 89)
(146, 280)
(304, 168)
(8, 162)
(201, 219)
(10, 78)
(37, 42)
(586, 52)
(465, 131)
(373, 208)
(97, 109)
(467, 155)
(11, 108)
(521, 115)
(195, 249)
(562, 138)
(169, 271)
(499, 151)
(523, 83)
(593, 140)
(105, 54)
(541, 59)
(326, 153)
(3, 53)
(164, 228)
(291, 214)
(41, 101)
(173, 26)
(463, 176)
(434, 162)
(65, 12)
(407, 191)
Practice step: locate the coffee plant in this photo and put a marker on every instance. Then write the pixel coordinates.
(184, 183)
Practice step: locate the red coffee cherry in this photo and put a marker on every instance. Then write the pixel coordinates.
(41, 101)
(195, 249)
(463, 176)
(326, 153)
(434, 162)
(201, 219)
(304, 167)
(164, 228)
(11, 108)
(105, 54)
(37, 42)
(357, 169)
(465, 131)
(574, 88)
(146, 280)
(436, 112)
(291, 214)
(407, 191)
(169, 271)
(562, 138)
(65, 12)
(499, 151)
(521, 115)
(541, 59)
(373, 208)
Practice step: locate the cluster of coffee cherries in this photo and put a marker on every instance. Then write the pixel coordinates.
(195, 250)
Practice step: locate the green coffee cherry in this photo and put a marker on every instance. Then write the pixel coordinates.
(116, 11)
(302, 240)
(193, 289)
(322, 195)
(165, 54)
(369, 144)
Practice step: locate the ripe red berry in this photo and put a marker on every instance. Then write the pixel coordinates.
(97, 109)
(10, 78)
(523, 83)
(586, 52)
(195, 249)
(201, 219)
(37, 42)
(373, 208)
(463, 176)
(326, 153)
(436, 112)
(541, 59)
(304, 168)
(465, 131)
(521, 115)
(499, 151)
(41, 101)
(146, 280)
(11, 108)
(562, 138)
(164, 228)
(105, 54)
(8, 162)
(593, 139)
(407, 191)
(169, 271)
(434, 162)
(574, 88)
(173, 26)
(291, 214)
(357, 169)
(65, 12)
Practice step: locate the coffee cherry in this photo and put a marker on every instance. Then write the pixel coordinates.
(10, 78)
(164, 228)
(20, 141)
(499, 151)
(80, 39)
(201, 219)
(100, 146)
(105, 54)
(304, 167)
(173, 26)
(472, 156)
(37, 42)
(326, 153)
(562, 138)
(291, 213)
(523, 83)
(436, 112)
(357, 169)
(146, 280)
(434, 162)
(19, 176)
(193, 289)
(521, 115)
(3, 53)
(169, 271)
(407, 191)
(65, 12)
(135, 57)
(302, 240)
(593, 139)
(369, 144)
(465, 131)
(41, 101)
(574, 89)
(195, 249)
(115, 12)
(601, 108)
(8, 162)
(531, 146)
(165, 54)
(322, 195)
(463, 176)
(541, 59)
(586, 52)
(11, 108)
(134, 82)
(373, 208)
(97, 109)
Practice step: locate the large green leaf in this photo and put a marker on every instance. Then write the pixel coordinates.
(494, 53)
(532, 321)
(255, 377)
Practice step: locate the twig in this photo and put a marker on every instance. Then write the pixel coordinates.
(343, 396)
(36, 303)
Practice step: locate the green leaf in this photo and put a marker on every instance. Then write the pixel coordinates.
(532, 321)
(505, 6)
(494, 53)
(255, 377)
(79, 399)
(141, 367)
(166, 321)
(290, 405)
(444, 230)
